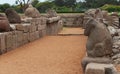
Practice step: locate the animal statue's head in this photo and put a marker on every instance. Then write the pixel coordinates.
(90, 24)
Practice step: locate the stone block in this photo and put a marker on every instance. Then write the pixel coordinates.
(19, 38)
(14, 41)
(42, 33)
(37, 35)
(32, 36)
(33, 28)
(43, 21)
(25, 38)
(87, 60)
(9, 40)
(23, 27)
(97, 68)
(41, 27)
(2, 43)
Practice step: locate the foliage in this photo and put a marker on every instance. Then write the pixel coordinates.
(3, 7)
(98, 3)
(64, 6)
(35, 2)
(42, 7)
(111, 8)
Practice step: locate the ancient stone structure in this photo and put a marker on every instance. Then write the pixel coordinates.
(12, 16)
(27, 31)
(102, 44)
(32, 12)
(4, 24)
(52, 18)
(99, 41)
(51, 13)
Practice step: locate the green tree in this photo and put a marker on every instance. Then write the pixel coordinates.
(59, 2)
(97, 3)
(43, 6)
(70, 3)
(35, 2)
(3, 7)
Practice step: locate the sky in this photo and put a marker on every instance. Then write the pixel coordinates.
(12, 1)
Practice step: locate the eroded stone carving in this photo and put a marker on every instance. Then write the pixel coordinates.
(12, 16)
(32, 12)
(4, 24)
(99, 41)
(51, 13)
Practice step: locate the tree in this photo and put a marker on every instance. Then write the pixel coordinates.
(35, 2)
(97, 3)
(59, 2)
(3, 7)
(43, 6)
(23, 3)
(70, 3)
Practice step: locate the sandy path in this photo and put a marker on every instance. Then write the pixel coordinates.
(71, 31)
(49, 55)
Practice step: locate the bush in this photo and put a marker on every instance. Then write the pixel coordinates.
(111, 8)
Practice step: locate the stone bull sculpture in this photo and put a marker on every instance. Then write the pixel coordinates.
(99, 43)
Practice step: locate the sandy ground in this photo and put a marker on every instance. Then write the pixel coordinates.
(48, 55)
(72, 31)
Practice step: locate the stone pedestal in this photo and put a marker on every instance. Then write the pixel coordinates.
(97, 68)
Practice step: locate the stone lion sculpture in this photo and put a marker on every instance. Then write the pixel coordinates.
(12, 15)
(4, 24)
(99, 41)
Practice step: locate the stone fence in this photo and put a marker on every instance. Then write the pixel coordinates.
(32, 29)
(71, 20)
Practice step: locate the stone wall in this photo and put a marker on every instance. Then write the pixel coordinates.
(33, 29)
(71, 20)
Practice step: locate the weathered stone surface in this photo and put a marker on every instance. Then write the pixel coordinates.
(33, 28)
(25, 38)
(42, 33)
(19, 38)
(79, 21)
(53, 19)
(87, 60)
(4, 25)
(96, 68)
(51, 13)
(23, 27)
(112, 30)
(2, 43)
(41, 27)
(32, 12)
(9, 40)
(13, 27)
(116, 51)
(99, 41)
(37, 35)
(12, 16)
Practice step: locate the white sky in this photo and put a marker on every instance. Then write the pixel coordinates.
(12, 1)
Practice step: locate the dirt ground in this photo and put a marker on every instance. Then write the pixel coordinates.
(48, 55)
(72, 31)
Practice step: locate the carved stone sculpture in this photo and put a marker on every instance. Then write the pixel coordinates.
(99, 41)
(32, 12)
(12, 16)
(51, 13)
(4, 24)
